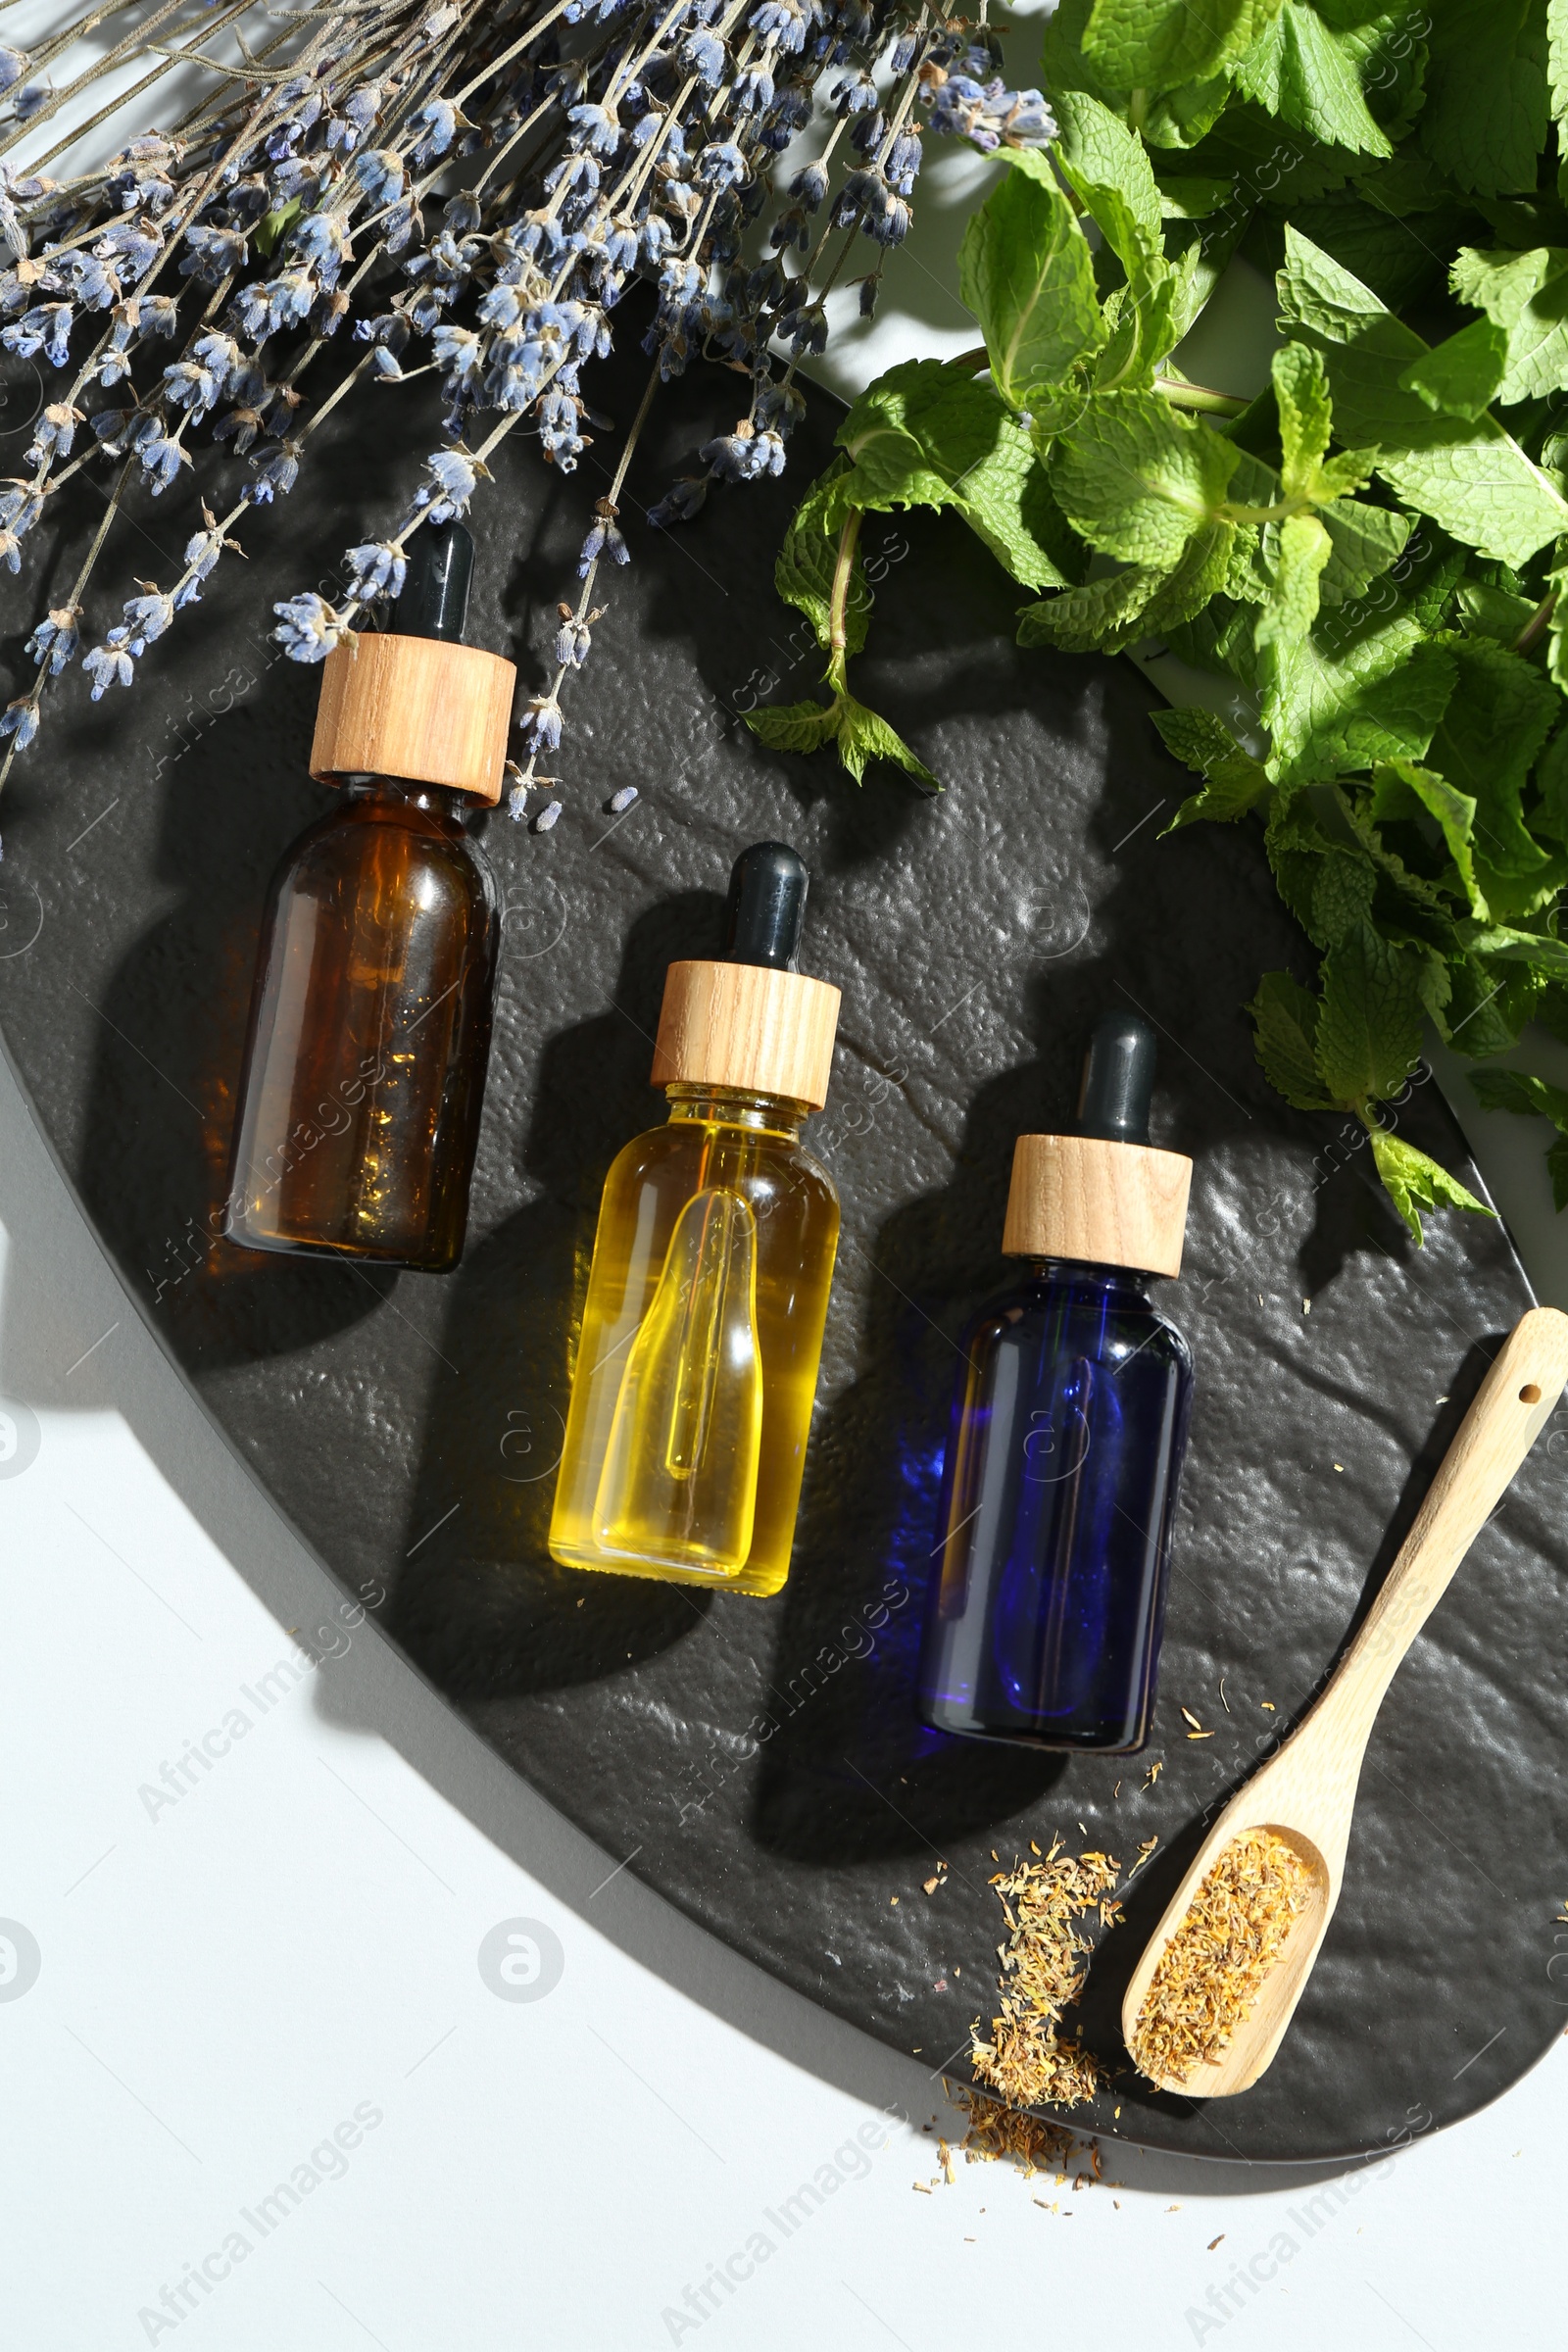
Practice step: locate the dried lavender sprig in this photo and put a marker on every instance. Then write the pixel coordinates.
(656, 171)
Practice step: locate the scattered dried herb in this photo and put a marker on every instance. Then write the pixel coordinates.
(1042, 1971)
(1211, 1970)
(998, 2134)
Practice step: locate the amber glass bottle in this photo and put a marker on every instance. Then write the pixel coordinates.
(369, 1030)
(697, 1365)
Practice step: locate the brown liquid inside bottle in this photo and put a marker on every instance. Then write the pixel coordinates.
(369, 1033)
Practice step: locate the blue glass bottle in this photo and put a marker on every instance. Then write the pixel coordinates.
(1069, 1424)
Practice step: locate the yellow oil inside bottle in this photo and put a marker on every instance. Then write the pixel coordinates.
(697, 1364)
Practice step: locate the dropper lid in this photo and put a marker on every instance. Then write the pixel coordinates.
(752, 1023)
(433, 601)
(1102, 1195)
(414, 701)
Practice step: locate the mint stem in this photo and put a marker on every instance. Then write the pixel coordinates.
(838, 606)
(1535, 627)
(1199, 396)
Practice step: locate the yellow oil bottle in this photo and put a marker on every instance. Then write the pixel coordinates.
(703, 1325)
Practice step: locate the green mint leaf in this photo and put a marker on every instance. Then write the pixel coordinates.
(1501, 713)
(795, 726)
(1027, 272)
(914, 431)
(1369, 1026)
(1310, 76)
(1285, 1024)
(1483, 611)
(1148, 316)
(1525, 296)
(1006, 500)
(809, 558)
(1462, 376)
(1344, 887)
(1486, 1015)
(1233, 780)
(1401, 787)
(1305, 414)
(1194, 581)
(1467, 474)
(1100, 618)
(860, 734)
(1177, 117)
(1518, 1090)
(1136, 480)
(1361, 687)
(1501, 942)
(1302, 548)
(1188, 196)
(863, 737)
(925, 435)
(1413, 1182)
(1158, 45)
(1557, 57)
(1327, 885)
(1402, 260)
(1363, 542)
(1486, 117)
(1422, 898)
(1557, 625)
(1108, 167)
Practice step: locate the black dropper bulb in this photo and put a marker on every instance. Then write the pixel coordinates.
(766, 907)
(1118, 1080)
(434, 601)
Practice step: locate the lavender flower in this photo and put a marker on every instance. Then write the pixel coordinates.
(54, 640)
(808, 187)
(540, 723)
(453, 477)
(379, 172)
(276, 471)
(47, 328)
(575, 637)
(161, 460)
(110, 663)
(308, 627)
(376, 569)
(597, 128)
(322, 241)
(459, 350)
(703, 54)
(202, 551)
(19, 721)
(53, 433)
(441, 121)
(146, 619)
(603, 539)
(680, 502)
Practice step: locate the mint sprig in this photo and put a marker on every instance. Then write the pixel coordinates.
(1372, 554)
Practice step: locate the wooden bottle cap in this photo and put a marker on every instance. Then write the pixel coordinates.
(748, 1028)
(1100, 1203)
(418, 707)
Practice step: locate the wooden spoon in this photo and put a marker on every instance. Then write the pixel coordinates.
(1306, 1792)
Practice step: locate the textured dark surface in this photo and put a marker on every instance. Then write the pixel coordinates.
(759, 1759)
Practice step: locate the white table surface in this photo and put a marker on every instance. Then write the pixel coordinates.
(265, 2078)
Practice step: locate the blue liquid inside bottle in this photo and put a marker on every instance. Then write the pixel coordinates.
(1048, 1590)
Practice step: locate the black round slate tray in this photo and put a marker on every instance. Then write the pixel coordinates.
(759, 1762)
